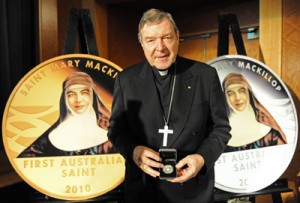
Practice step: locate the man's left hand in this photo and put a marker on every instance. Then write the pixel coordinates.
(188, 168)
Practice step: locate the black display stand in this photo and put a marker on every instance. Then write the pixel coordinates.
(275, 190)
(226, 21)
(80, 23)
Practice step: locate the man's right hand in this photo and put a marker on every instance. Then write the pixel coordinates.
(147, 159)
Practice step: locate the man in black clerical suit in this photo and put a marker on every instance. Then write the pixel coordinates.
(168, 102)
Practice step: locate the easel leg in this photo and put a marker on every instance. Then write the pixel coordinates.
(276, 197)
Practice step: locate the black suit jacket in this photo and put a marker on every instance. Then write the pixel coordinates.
(198, 119)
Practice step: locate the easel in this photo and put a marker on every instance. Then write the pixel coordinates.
(226, 20)
(281, 185)
(80, 23)
(275, 190)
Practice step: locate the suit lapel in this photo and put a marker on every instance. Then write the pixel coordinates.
(148, 93)
(183, 97)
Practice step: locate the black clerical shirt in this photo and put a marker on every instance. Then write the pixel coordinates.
(164, 87)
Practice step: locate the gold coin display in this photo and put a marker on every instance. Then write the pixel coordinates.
(55, 128)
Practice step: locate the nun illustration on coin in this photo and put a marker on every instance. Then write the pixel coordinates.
(82, 126)
(252, 124)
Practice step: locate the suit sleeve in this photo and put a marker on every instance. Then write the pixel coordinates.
(218, 125)
(118, 130)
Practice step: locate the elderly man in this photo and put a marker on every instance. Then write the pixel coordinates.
(171, 103)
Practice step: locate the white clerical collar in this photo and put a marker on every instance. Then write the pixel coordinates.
(163, 72)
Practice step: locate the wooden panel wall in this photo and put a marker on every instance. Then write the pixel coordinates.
(205, 49)
(54, 18)
(291, 76)
(280, 45)
(270, 23)
(291, 45)
(48, 29)
(205, 20)
(125, 50)
(123, 46)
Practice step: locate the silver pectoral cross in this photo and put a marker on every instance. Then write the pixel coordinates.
(166, 131)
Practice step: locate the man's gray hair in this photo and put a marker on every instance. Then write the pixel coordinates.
(155, 16)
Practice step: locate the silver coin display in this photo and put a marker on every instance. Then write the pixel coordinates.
(264, 125)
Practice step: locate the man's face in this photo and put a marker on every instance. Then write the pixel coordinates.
(79, 98)
(160, 44)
